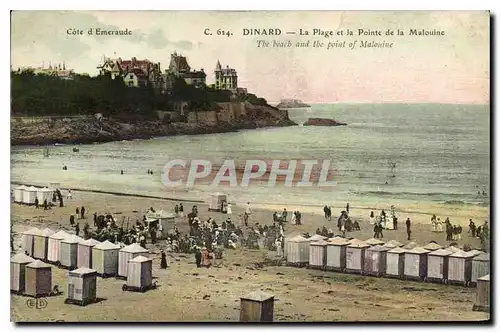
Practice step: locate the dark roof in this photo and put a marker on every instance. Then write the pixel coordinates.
(195, 74)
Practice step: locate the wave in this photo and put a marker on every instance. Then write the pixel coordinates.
(406, 193)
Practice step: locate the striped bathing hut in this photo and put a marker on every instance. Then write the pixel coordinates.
(126, 254)
(105, 259)
(437, 265)
(460, 267)
(84, 255)
(28, 238)
(483, 294)
(38, 279)
(54, 246)
(297, 251)
(18, 264)
(140, 273)
(375, 260)
(69, 251)
(336, 253)
(480, 266)
(416, 264)
(317, 254)
(355, 257)
(82, 286)
(40, 244)
(395, 262)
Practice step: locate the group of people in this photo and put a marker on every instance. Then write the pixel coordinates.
(295, 219)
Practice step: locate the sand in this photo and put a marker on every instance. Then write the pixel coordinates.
(187, 293)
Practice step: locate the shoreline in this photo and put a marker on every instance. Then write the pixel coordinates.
(419, 213)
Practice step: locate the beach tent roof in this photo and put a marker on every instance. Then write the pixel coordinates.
(90, 242)
(317, 237)
(432, 246)
(31, 188)
(106, 245)
(373, 241)
(298, 238)
(21, 258)
(398, 250)
(338, 241)
(411, 245)
(378, 248)
(258, 295)
(61, 235)
(476, 252)
(140, 259)
(359, 245)
(355, 241)
(452, 249)
(134, 248)
(485, 278)
(82, 271)
(440, 252)
(32, 231)
(418, 251)
(46, 232)
(73, 239)
(485, 257)
(21, 187)
(462, 254)
(393, 244)
(319, 243)
(38, 264)
(45, 189)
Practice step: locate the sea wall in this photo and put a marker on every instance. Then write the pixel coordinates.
(88, 129)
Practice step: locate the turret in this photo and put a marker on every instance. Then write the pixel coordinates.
(218, 67)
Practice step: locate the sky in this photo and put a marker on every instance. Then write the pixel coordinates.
(453, 68)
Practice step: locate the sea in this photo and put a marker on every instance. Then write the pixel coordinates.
(387, 153)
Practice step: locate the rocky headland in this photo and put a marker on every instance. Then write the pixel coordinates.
(323, 122)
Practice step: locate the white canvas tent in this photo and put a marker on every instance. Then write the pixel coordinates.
(19, 194)
(29, 195)
(164, 218)
(43, 194)
(215, 201)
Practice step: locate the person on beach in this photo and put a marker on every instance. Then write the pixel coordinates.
(347, 208)
(36, 202)
(176, 210)
(45, 205)
(82, 210)
(69, 196)
(293, 218)
(229, 209)
(284, 215)
(325, 210)
(77, 210)
(434, 223)
(163, 264)
(181, 210)
(395, 223)
(449, 230)
(472, 228)
(198, 257)
(408, 228)
(439, 225)
(121, 172)
(72, 220)
(245, 219)
(248, 210)
(77, 229)
(372, 218)
(54, 197)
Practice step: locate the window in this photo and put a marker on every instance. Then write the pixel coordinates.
(130, 83)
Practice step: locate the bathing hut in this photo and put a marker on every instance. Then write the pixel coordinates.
(215, 201)
(355, 241)
(375, 260)
(126, 254)
(297, 251)
(395, 263)
(453, 249)
(105, 259)
(69, 251)
(82, 286)
(416, 264)
(336, 253)
(374, 242)
(28, 239)
(18, 264)
(84, 256)
(476, 252)
(355, 257)
(437, 265)
(410, 245)
(139, 274)
(43, 194)
(317, 254)
(40, 244)
(163, 218)
(19, 194)
(38, 279)
(480, 266)
(482, 301)
(54, 246)
(29, 195)
(460, 268)
(431, 246)
(257, 307)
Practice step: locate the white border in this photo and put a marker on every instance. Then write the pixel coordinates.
(181, 5)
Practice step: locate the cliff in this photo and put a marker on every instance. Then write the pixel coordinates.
(323, 122)
(88, 129)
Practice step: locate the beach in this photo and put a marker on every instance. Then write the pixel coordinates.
(301, 294)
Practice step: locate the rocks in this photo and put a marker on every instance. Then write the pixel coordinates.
(323, 122)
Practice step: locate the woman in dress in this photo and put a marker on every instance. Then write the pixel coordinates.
(372, 218)
(163, 263)
(229, 209)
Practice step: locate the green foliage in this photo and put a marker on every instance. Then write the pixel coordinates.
(41, 95)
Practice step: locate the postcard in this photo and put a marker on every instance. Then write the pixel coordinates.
(250, 166)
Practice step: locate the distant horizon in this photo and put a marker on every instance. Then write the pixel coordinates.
(377, 103)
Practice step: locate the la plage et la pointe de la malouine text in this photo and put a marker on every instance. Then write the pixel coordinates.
(346, 32)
